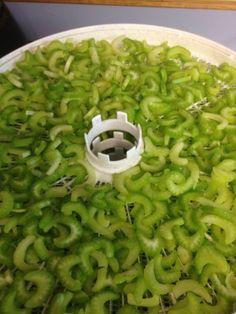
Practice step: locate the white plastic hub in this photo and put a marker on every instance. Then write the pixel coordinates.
(120, 150)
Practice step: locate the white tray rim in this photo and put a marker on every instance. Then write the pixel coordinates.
(200, 47)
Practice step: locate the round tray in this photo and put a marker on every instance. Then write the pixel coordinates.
(200, 47)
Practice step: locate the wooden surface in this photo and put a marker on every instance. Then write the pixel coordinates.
(194, 4)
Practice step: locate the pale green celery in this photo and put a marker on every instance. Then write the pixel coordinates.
(10, 96)
(52, 62)
(209, 255)
(38, 120)
(15, 80)
(190, 285)
(190, 304)
(179, 52)
(132, 249)
(164, 227)
(97, 303)
(226, 225)
(9, 304)
(174, 155)
(44, 282)
(20, 253)
(163, 275)
(54, 158)
(152, 106)
(64, 273)
(6, 203)
(151, 281)
(58, 129)
(137, 295)
(227, 288)
(60, 302)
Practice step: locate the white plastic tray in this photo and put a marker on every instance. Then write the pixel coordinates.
(201, 47)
